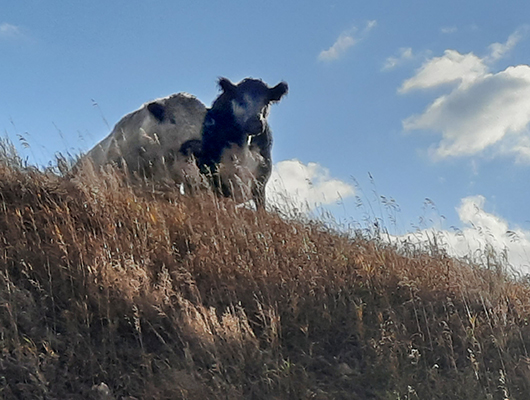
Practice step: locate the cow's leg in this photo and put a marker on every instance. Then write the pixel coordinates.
(258, 194)
(260, 181)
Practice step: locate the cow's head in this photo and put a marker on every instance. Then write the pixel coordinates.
(250, 100)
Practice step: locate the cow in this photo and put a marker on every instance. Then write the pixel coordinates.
(177, 140)
(148, 143)
(237, 141)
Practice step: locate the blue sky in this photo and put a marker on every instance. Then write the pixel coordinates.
(432, 99)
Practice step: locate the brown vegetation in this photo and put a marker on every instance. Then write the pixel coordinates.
(114, 292)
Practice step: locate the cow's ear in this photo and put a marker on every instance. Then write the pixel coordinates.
(226, 85)
(158, 111)
(278, 91)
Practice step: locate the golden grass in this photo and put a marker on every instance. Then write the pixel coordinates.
(109, 291)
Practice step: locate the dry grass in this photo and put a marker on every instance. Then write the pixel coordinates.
(114, 292)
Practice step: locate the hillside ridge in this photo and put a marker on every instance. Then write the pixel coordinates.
(113, 291)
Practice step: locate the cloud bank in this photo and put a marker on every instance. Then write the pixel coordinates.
(484, 111)
(481, 230)
(294, 185)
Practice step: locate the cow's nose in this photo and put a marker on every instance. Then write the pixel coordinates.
(254, 126)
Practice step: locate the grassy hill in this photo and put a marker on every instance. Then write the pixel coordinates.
(114, 292)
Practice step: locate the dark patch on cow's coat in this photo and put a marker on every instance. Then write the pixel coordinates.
(191, 148)
(158, 111)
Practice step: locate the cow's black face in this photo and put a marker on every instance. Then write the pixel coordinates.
(250, 101)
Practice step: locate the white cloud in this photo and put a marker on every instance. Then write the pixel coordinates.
(483, 110)
(404, 55)
(8, 30)
(449, 29)
(481, 231)
(498, 50)
(341, 45)
(475, 117)
(450, 68)
(345, 41)
(520, 148)
(304, 186)
(370, 25)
